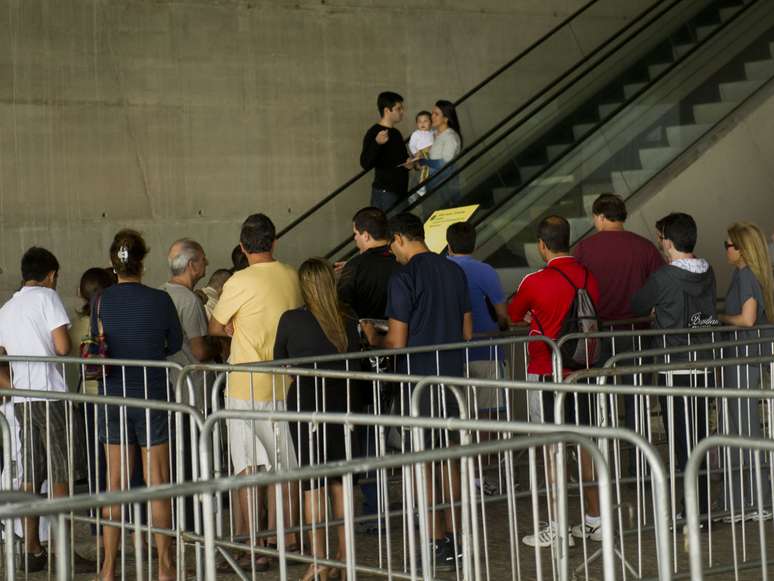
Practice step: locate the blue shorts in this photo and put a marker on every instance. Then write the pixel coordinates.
(144, 427)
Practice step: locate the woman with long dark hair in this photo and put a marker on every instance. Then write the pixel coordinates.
(321, 327)
(446, 146)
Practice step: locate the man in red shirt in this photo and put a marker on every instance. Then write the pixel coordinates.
(544, 299)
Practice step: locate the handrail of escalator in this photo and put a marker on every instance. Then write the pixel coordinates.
(455, 168)
(747, 6)
(458, 102)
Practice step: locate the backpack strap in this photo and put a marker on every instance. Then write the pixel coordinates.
(567, 278)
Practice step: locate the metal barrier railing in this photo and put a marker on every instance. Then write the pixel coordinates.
(695, 519)
(41, 427)
(690, 413)
(464, 391)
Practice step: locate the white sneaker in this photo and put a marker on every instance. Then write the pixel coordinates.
(546, 537)
(587, 531)
(750, 515)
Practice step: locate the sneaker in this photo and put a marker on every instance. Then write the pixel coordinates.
(587, 531)
(33, 562)
(749, 515)
(546, 537)
(443, 555)
(450, 541)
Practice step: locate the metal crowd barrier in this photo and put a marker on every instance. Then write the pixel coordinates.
(751, 558)
(80, 422)
(61, 507)
(695, 402)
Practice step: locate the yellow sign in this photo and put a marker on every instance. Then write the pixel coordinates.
(439, 221)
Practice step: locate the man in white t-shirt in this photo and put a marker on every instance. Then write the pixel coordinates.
(188, 265)
(34, 322)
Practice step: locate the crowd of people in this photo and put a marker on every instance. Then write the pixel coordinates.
(262, 309)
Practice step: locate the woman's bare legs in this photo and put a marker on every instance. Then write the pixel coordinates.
(155, 470)
(115, 481)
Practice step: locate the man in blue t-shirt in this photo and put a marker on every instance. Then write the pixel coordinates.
(490, 313)
(428, 304)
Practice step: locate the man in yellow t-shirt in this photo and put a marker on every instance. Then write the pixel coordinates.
(249, 309)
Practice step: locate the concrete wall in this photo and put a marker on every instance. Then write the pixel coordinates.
(728, 178)
(181, 117)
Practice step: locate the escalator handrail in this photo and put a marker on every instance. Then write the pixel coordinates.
(458, 102)
(458, 165)
(626, 103)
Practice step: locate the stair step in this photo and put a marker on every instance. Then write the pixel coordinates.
(658, 157)
(703, 32)
(608, 109)
(680, 50)
(682, 136)
(588, 203)
(711, 113)
(579, 226)
(632, 89)
(501, 194)
(528, 172)
(655, 70)
(738, 91)
(578, 131)
(728, 13)
(759, 70)
(532, 255)
(595, 188)
(628, 182)
(556, 150)
(511, 277)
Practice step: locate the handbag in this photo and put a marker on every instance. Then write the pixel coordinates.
(94, 347)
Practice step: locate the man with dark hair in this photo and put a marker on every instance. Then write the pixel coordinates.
(34, 323)
(258, 234)
(490, 314)
(428, 304)
(364, 278)
(249, 309)
(384, 151)
(363, 287)
(621, 262)
(543, 300)
(681, 295)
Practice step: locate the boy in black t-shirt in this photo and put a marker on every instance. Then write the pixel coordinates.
(385, 152)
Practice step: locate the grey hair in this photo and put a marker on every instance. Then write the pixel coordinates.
(188, 251)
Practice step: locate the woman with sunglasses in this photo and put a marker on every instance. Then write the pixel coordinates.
(749, 303)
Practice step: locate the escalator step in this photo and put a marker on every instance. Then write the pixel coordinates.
(739, 90)
(711, 113)
(759, 70)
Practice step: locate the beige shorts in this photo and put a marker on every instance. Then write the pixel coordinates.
(260, 443)
(488, 398)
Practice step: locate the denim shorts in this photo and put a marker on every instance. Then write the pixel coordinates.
(144, 427)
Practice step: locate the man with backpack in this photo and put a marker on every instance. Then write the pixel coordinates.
(554, 301)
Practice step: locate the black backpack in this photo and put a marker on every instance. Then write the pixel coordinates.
(581, 317)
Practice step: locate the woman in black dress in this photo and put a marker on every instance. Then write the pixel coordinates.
(320, 327)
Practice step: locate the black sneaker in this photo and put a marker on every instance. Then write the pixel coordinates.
(442, 555)
(33, 562)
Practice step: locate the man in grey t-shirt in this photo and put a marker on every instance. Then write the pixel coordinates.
(188, 265)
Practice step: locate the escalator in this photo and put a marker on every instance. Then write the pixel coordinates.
(613, 122)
